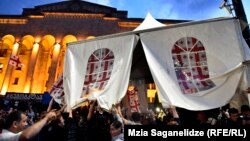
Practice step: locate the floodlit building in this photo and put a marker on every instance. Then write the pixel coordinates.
(37, 40)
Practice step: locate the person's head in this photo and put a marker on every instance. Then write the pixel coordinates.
(201, 116)
(136, 116)
(233, 114)
(148, 118)
(16, 122)
(116, 128)
(245, 114)
(245, 110)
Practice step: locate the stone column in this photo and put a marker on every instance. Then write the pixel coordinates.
(31, 65)
(9, 70)
(53, 67)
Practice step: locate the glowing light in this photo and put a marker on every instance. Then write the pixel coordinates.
(57, 48)
(35, 47)
(13, 21)
(16, 45)
(90, 37)
(157, 109)
(15, 48)
(82, 15)
(110, 18)
(151, 92)
(128, 24)
(57, 45)
(36, 16)
(4, 89)
(38, 39)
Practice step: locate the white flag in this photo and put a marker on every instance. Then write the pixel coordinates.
(99, 69)
(196, 66)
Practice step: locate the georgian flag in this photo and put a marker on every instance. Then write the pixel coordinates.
(98, 69)
(57, 91)
(189, 67)
(14, 61)
(190, 59)
(133, 99)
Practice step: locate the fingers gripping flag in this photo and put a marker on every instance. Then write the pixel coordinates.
(14, 61)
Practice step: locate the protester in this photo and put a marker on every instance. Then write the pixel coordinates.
(149, 118)
(116, 131)
(136, 117)
(172, 117)
(98, 123)
(245, 114)
(14, 127)
(233, 119)
(56, 129)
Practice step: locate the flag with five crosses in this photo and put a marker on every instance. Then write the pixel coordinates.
(14, 61)
(57, 91)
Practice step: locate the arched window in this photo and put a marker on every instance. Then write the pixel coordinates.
(99, 69)
(190, 62)
(3, 49)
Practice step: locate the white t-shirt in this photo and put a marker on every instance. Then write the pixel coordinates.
(9, 136)
(119, 137)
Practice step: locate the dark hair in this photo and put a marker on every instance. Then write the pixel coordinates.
(136, 116)
(244, 108)
(233, 111)
(13, 116)
(117, 124)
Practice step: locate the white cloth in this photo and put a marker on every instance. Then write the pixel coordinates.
(119, 137)
(148, 23)
(98, 69)
(9, 136)
(189, 64)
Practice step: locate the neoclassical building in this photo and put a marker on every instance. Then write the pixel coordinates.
(39, 37)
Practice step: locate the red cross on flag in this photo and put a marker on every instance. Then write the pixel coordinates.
(14, 61)
(57, 91)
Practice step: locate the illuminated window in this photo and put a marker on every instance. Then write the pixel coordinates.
(3, 52)
(22, 51)
(1, 67)
(16, 81)
(19, 68)
(190, 62)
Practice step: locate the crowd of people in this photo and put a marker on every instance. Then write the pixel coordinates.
(92, 123)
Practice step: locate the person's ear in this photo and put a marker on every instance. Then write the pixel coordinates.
(15, 124)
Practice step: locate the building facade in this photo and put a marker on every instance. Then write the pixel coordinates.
(39, 37)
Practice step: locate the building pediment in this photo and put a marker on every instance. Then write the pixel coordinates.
(76, 6)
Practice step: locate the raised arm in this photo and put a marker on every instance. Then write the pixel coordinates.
(91, 110)
(50, 105)
(119, 111)
(116, 113)
(33, 130)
